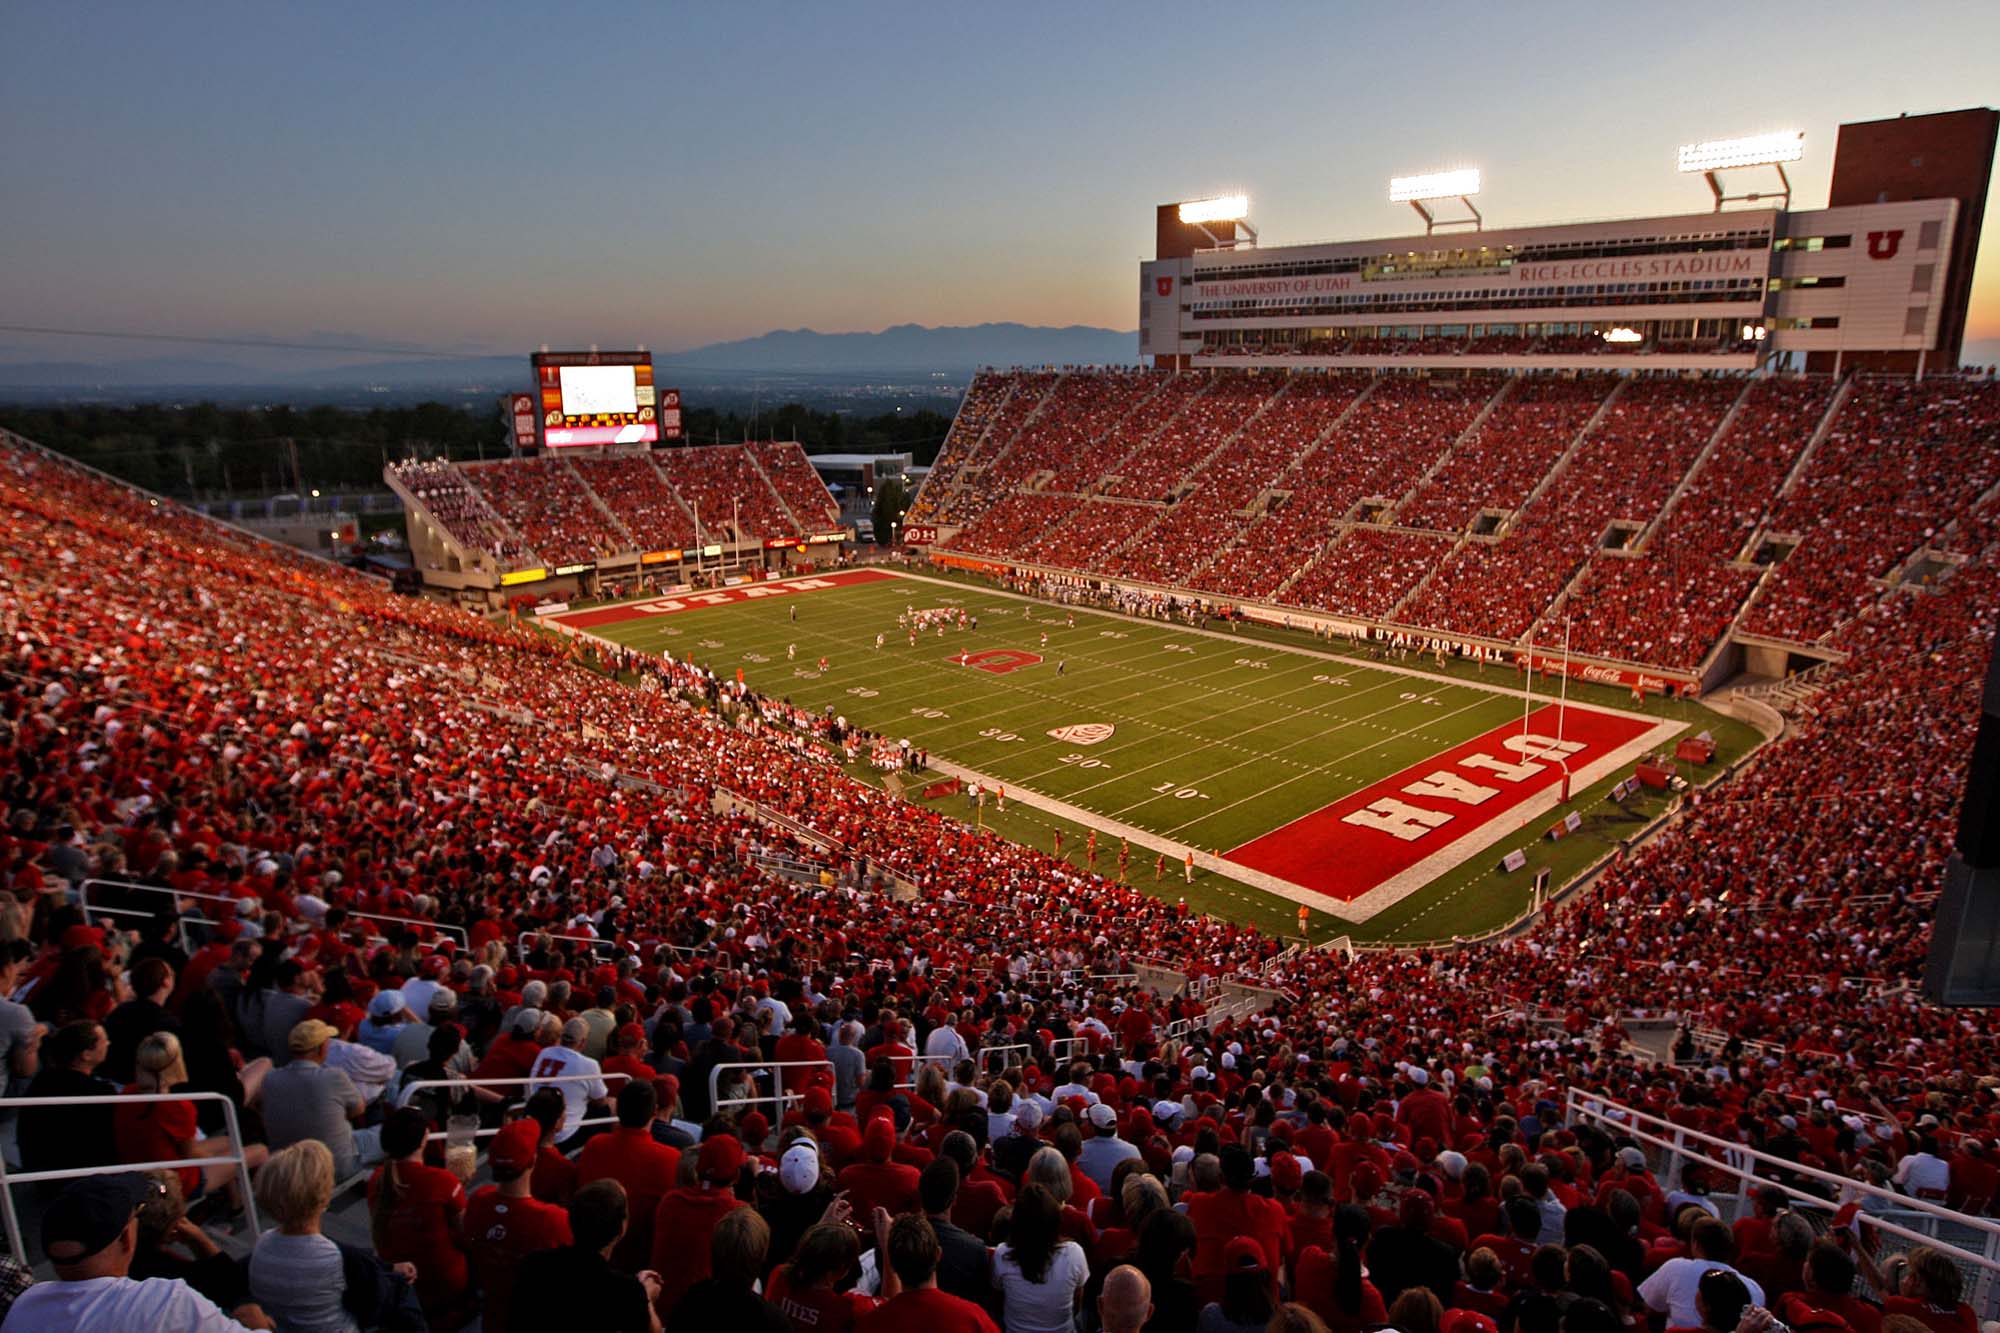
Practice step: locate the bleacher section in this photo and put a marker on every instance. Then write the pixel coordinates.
(1625, 511)
(560, 509)
(1903, 459)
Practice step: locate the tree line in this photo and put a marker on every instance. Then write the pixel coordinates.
(204, 451)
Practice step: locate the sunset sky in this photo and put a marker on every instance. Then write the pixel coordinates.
(489, 177)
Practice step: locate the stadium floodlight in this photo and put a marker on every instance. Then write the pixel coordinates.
(1232, 209)
(1460, 183)
(1754, 150)
(1623, 335)
(1222, 208)
(1771, 150)
(1434, 185)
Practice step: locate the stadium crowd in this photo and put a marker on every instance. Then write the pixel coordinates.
(728, 493)
(1676, 477)
(640, 499)
(408, 848)
(443, 490)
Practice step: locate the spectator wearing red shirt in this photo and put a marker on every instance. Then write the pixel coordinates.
(631, 1156)
(628, 1045)
(981, 1193)
(1975, 1178)
(803, 1043)
(1932, 1287)
(1333, 1283)
(1227, 1213)
(167, 1131)
(893, 1047)
(504, 1223)
(838, 1136)
(1829, 1286)
(1424, 1111)
(1481, 1288)
(809, 1288)
(877, 1181)
(913, 1254)
(555, 1174)
(1475, 1205)
(513, 1052)
(1515, 1249)
(415, 1215)
(685, 1220)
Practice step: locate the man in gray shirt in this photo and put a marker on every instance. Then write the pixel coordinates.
(850, 1066)
(1104, 1150)
(294, 991)
(306, 1100)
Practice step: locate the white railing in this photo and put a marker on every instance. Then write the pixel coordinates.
(775, 1068)
(83, 900)
(9, 1179)
(463, 1085)
(1009, 1057)
(521, 941)
(1750, 1167)
(1064, 1049)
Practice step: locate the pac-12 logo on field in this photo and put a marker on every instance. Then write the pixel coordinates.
(1084, 733)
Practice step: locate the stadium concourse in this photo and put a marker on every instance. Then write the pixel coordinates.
(408, 852)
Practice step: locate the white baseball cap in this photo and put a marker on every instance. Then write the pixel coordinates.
(798, 1169)
(1103, 1116)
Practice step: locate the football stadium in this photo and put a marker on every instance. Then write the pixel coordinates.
(1455, 795)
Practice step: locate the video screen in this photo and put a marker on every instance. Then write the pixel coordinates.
(596, 398)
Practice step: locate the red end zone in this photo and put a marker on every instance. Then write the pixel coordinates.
(695, 601)
(1349, 847)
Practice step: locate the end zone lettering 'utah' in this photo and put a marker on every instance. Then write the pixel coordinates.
(1347, 848)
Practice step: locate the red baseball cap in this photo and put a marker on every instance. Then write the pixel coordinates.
(1286, 1173)
(515, 1146)
(818, 1101)
(721, 1159)
(1467, 1321)
(1242, 1255)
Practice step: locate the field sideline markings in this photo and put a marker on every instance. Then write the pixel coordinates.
(1413, 731)
(1491, 688)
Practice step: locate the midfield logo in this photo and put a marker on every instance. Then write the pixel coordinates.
(1084, 733)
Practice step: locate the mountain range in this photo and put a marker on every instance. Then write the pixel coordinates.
(903, 349)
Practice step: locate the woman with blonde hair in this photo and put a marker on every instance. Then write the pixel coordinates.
(305, 1280)
(167, 1130)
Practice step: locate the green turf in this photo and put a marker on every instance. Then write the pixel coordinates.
(1218, 739)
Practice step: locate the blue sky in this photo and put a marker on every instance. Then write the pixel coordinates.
(495, 176)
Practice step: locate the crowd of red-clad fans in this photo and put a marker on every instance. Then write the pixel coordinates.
(575, 509)
(1643, 517)
(450, 500)
(411, 852)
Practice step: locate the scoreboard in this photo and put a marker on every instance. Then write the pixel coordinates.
(599, 398)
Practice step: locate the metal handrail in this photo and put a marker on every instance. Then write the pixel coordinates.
(1675, 1144)
(1064, 1048)
(9, 1179)
(410, 1090)
(83, 900)
(778, 1093)
(979, 1056)
(464, 940)
(521, 941)
(1593, 1105)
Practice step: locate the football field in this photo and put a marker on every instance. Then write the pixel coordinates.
(1292, 774)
